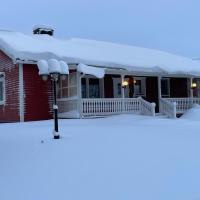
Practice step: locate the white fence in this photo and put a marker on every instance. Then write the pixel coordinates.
(173, 106)
(111, 106)
(183, 104)
(147, 108)
(168, 108)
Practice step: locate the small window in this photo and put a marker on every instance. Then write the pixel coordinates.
(2, 89)
(67, 88)
(165, 87)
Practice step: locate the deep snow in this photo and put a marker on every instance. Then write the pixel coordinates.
(121, 158)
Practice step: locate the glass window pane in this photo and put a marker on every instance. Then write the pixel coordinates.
(94, 91)
(72, 79)
(138, 87)
(83, 87)
(64, 92)
(65, 82)
(165, 87)
(72, 92)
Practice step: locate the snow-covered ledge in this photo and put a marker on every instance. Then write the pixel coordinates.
(95, 71)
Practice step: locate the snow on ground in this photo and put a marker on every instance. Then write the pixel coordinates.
(193, 113)
(121, 158)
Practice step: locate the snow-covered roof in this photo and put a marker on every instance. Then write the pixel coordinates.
(103, 54)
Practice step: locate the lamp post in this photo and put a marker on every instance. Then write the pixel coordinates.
(54, 69)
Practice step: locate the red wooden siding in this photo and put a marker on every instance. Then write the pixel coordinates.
(37, 95)
(10, 111)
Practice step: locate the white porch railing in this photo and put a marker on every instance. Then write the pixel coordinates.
(183, 104)
(147, 108)
(111, 106)
(168, 108)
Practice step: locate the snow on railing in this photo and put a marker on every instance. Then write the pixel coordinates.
(109, 106)
(147, 108)
(183, 104)
(168, 108)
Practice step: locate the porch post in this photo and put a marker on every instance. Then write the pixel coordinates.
(122, 93)
(79, 93)
(122, 88)
(159, 90)
(191, 90)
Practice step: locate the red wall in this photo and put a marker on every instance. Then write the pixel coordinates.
(10, 111)
(37, 95)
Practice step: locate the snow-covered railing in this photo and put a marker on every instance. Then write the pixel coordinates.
(168, 108)
(109, 106)
(183, 104)
(131, 105)
(147, 108)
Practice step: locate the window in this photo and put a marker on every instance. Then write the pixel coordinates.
(68, 88)
(2, 89)
(165, 87)
(94, 91)
(138, 87)
(90, 87)
(83, 88)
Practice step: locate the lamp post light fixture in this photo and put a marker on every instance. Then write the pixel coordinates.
(54, 69)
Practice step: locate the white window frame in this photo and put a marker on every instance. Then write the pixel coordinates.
(2, 79)
(69, 86)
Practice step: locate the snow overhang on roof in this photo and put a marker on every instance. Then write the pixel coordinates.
(95, 71)
(103, 54)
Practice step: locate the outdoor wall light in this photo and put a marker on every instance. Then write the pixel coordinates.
(53, 69)
(124, 84)
(194, 85)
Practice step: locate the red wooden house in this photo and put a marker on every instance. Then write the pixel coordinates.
(112, 78)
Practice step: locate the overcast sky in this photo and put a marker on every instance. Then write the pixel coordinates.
(170, 25)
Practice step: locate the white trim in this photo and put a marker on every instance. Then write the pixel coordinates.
(21, 93)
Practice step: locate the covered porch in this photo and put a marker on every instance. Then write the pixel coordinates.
(86, 95)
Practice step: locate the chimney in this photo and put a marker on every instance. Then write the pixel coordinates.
(43, 30)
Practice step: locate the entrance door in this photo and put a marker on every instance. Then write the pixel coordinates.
(108, 86)
(152, 91)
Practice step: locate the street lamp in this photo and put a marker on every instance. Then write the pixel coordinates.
(55, 69)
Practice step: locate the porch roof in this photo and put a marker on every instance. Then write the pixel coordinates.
(24, 47)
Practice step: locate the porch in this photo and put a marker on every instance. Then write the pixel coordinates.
(83, 95)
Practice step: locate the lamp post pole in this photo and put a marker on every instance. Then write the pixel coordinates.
(54, 69)
(55, 108)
